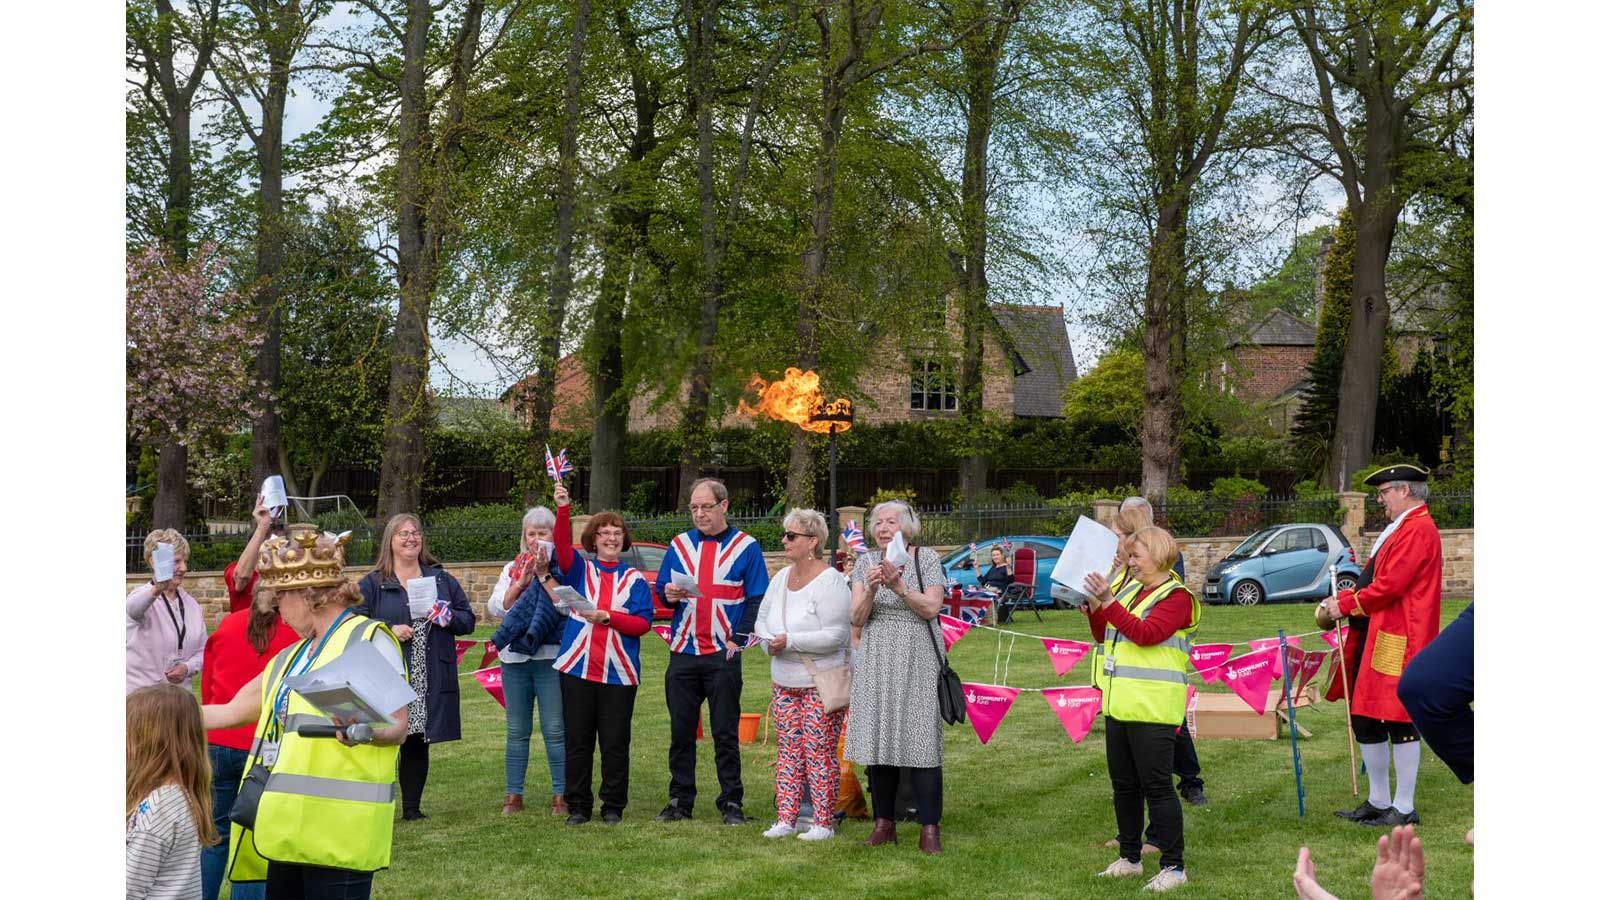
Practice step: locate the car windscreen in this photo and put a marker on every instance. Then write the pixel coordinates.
(650, 557)
(1253, 542)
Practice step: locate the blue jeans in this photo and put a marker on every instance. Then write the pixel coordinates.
(524, 683)
(227, 769)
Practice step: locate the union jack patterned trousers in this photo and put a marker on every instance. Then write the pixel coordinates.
(807, 742)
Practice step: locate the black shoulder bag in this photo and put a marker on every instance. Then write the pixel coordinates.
(952, 705)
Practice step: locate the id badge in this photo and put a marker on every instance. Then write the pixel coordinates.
(1109, 667)
(268, 755)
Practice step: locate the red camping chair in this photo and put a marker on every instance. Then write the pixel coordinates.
(1020, 591)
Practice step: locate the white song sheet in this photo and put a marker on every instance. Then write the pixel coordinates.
(682, 580)
(358, 684)
(1092, 547)
(421, 594)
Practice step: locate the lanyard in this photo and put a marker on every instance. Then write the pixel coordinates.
(180, 620)
(282, 696)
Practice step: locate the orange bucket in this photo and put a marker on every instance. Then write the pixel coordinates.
(749, 727)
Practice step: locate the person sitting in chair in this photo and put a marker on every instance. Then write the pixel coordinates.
(999, 576)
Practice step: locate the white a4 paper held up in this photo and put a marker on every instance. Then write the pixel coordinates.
(421, 594)
(358, 684)
(1092, 547)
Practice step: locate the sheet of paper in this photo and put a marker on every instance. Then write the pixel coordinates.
(682, 580)
(1066, 595)
(1091, 548)
(896, 553)
(569, 600)
(164, 561)
(273, 495)
(549, 549)
(358, 684)
(421, 594)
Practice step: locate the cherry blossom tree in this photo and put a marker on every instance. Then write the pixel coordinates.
(190, 360)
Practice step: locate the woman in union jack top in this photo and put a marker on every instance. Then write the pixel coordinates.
(599, 658)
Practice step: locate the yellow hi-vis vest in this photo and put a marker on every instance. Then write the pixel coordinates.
(1145, 684)
(325, 804)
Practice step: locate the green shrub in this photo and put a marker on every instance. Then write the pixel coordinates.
(470, 533)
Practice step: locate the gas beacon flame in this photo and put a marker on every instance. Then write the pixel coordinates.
(796, 399)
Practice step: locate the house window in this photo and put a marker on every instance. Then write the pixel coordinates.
(933, 386)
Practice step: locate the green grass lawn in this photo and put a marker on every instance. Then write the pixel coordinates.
(1024, 816)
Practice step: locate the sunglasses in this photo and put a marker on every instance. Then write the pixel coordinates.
(796, 535)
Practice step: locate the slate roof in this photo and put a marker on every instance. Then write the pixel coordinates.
(1279, 329)
(1037, 337)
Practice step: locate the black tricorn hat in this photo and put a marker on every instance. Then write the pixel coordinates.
(1397, 472)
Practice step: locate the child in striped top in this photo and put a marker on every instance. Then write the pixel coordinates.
(168, 794)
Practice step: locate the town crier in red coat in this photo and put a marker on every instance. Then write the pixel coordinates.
(1394, 612)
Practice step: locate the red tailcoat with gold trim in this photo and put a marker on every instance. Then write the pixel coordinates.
(1402, 605)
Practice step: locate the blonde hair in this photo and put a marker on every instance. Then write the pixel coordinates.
(910, 525)
(346, 594)
(180, 544)
(385, 562)
(166, 744)
(1159, 544)
(811, 522)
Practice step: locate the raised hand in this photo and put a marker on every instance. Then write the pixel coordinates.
(1305, 879)
(1397, 871)
(562, 498)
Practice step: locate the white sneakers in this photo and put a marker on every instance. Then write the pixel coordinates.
(1167, 879)
(1122, 868)
(817, 833)
(782, 829)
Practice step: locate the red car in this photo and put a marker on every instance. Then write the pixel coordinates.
(646, 557)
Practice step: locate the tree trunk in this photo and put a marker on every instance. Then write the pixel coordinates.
(980, 59)
(172, 486)
(1165, 291)
(266, 432)
(1363, 350)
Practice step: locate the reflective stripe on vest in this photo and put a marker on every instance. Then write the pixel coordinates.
(325, 804)
(1147, 684)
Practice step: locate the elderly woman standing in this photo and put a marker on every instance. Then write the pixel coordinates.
(165, 632)
(806, 615)
(430, 647)
(895, 728)
(1144, 629)
(527, 672)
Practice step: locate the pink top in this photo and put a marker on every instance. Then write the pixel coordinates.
(154, 628)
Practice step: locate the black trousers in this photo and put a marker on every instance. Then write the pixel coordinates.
(592, 710)
(1436, 690)
(413, 771)
(691, 681)
(289, 881)
(927, 786)
(1139, 759)
(1185, 762)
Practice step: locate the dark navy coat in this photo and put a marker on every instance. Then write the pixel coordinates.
(386, 601)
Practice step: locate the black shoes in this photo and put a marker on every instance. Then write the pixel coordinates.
(1193, 796)
(412, 815)
(611, 817)
(1361, 813)
(578, 818)
(1392, 818)
(733, 815)
(674, 813)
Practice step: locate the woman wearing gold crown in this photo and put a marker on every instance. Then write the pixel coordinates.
(315, 818)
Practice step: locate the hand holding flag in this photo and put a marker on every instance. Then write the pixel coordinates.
(556, 466)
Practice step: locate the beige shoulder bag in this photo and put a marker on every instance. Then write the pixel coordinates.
(833, 685)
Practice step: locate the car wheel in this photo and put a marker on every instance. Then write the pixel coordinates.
(1345, 583)
(1247, 593)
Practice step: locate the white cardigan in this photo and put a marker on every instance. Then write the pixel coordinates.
(818, 625)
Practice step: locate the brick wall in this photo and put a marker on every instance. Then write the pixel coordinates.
(1199, 554)
(1264, 372)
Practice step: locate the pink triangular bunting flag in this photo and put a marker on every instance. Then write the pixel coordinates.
(1307, 670)
(1207, 659)
(490, 679)
(1065, 654)
(490, 654)
(1189, 704)
(1250, 676)
(1277, 658)
(1333, 638)
(953, 629)
(987, 704)
(462, 647)
(1076, 707)
(665, 631)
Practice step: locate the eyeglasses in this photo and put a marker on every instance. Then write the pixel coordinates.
(408, 534)
(796, 535)
(704, 507)
(1387, 488)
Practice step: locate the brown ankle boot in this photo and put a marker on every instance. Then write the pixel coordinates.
(513, 805)
(558, 806)
(882, 832)
(928, 842)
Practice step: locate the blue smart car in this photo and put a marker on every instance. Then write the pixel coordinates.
(1283, 562)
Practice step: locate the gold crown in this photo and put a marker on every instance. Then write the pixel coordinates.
(303, 559)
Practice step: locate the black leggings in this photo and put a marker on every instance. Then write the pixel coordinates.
(927, 786)
(413, 771)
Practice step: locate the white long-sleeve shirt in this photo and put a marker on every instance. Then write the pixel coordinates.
(817, 621)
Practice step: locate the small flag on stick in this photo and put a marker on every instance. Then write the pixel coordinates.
(556, 466)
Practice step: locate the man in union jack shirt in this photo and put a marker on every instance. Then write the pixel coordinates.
(730, 573)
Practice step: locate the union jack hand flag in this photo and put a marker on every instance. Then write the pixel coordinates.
(853, 537)
(440, 614)
(1005, 546)
(556, 466)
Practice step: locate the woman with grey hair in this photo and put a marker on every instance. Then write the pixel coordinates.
(165, 631)
(805, 621)
(895, 730)
(527, 673)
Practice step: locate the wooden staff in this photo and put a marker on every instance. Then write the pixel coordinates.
(1344, 674)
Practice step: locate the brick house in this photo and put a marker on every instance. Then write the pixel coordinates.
(1027, 366)
(1271, 357)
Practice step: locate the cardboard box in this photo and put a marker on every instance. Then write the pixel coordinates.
(1224, 715)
